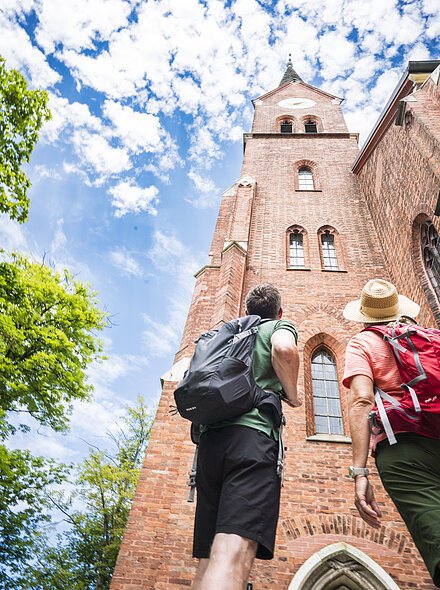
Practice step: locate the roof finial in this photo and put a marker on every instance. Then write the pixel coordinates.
(290, 75)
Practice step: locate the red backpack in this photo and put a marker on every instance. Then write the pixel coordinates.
(417, 353)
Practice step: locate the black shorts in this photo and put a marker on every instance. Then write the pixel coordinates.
(238, 490)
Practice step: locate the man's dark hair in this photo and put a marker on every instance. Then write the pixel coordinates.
(264, 300)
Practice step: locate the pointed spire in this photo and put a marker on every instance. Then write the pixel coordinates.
(290, 75)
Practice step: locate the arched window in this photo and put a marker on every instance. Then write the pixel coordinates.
(328, 250)
(305, 179)
(310, 126)
(296, 250)
(326, 401)
(431, 254)
(286, 126)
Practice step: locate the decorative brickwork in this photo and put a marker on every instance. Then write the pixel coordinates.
(377, 213)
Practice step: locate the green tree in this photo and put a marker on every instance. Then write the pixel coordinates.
(48, 322)
(47, 339)
(24, 506)
(22, 113)
(85, 556)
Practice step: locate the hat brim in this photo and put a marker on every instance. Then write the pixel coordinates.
(407, 307)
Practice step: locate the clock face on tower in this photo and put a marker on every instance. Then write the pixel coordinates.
(296, 103)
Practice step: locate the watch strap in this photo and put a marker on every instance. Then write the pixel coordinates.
(353, 472)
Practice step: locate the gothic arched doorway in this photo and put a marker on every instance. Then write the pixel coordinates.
(341, 567)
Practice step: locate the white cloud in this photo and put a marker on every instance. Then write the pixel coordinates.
(66, 115)
(96, 153)
(160, 339)
(40, 171)
(73, 168)
(18, 7)
(208, 191)
(336, 55)
(362, 121)
(433, 25)
(12, 236)
(98, 416)
(384, 87)
(199, 63)
(19, 52)
(100, 72)
(125, 262)
(166, 252)
(78, 23)
(202, 184)
(204, 147)
(417, 52)
(171, 259)
(131, 198)
(137, 131)
(59, 240)
(189, 94)
(44, 442)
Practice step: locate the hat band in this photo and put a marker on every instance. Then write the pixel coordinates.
(375, 312)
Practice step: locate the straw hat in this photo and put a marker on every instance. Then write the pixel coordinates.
(380, 302)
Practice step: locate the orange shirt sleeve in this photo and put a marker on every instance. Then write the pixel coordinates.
(357, 362)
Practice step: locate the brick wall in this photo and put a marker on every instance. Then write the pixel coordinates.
(250, 246)
(401, 183)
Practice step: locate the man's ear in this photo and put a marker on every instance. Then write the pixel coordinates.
(280, 314)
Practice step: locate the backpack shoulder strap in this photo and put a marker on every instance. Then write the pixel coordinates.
(192, 476)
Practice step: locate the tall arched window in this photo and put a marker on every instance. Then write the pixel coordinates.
(305, 179)
(326, 400)
(329, 258)
(296, 250)
(286, 126)
(431, 254)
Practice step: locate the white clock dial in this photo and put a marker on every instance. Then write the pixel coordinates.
(296, 103)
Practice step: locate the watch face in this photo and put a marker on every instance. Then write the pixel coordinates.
(296, 103)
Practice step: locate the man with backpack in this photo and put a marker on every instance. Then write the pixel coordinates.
(238, 468)
(393, 372)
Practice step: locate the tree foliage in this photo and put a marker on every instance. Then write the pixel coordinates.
(47, 325)
(85, 556)
(22, 113)
(47, 340)
(24, 505)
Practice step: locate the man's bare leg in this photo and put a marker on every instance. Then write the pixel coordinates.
(229, 564)
(201, 569)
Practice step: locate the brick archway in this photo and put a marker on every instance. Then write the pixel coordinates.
(341, 565)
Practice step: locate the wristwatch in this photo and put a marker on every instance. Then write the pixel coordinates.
(354, 471)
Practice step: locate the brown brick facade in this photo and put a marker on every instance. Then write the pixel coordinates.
(373, 214)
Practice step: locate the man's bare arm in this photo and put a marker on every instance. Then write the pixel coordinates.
(360, 403)
(285, 361)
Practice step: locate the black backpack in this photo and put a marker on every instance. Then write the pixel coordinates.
(219, 383)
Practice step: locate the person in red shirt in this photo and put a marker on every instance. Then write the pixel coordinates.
(410, 469)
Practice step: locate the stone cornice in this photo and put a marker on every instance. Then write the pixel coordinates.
(204, 268)
(242, 246)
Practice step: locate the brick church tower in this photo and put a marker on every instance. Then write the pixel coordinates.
(307, 214)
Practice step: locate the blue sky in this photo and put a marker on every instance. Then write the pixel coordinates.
(150, 99)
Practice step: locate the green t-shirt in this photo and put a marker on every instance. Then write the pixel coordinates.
(265, 377)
